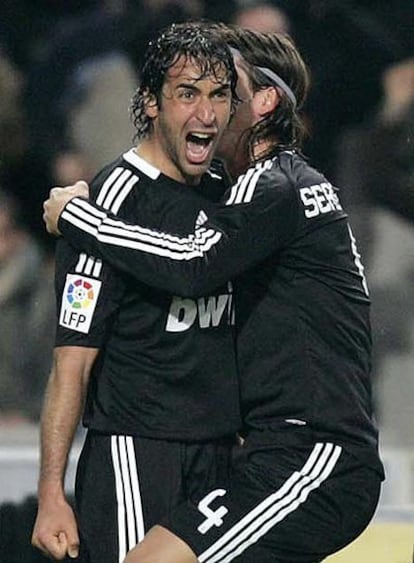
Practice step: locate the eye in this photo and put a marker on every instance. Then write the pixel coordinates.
(187, 94)
(222, 94)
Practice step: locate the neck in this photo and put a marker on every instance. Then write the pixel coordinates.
(236, 168)
(241, 160)
(150, 151)
(263, 148)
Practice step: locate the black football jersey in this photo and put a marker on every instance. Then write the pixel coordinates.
(303, 325)
(166, 367)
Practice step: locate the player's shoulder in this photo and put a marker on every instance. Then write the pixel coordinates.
(123, 172)
(281, 176)
(316, 196)
(297, 169)
(269, 176)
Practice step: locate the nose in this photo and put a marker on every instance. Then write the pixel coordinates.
(205, 111)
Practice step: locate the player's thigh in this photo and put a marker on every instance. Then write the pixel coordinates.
(293, 506)
(161, 546)
(329, 518)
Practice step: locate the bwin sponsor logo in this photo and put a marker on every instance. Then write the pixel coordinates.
(207, 311)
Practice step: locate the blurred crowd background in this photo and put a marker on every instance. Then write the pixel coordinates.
(67, 74)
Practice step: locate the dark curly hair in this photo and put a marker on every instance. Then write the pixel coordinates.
(191, 40)
(278, 53)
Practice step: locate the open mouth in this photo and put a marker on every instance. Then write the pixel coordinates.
(198, 146)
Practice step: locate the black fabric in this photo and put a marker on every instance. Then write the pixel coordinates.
(167, 365)
(167, 472)
(305, 528)
(302, 307)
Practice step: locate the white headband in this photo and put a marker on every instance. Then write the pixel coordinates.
(273, 77)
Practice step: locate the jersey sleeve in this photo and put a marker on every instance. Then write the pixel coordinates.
(87, 296)
(255, 220)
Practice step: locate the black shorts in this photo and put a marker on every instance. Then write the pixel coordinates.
(286, 505)
(125, 485)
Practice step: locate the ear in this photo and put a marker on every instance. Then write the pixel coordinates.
(266, 100)
(151, 106)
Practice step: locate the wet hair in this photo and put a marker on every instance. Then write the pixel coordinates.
(278, 54)
(194, 41)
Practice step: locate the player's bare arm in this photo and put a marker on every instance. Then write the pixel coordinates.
(58, 198)
(55, 532)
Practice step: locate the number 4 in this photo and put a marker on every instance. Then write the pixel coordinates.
(213, 517)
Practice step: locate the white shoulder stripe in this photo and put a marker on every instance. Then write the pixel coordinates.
(119, 199)
(112, 194)
(253, 182)
(106, 186)
(244, 184)
(275, 507)
(243, 190)
(239, 187)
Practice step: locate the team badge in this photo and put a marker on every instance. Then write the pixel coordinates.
(80, 296)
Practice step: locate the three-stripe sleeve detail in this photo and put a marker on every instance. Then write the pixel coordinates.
(275, 507)
(130, 518)
(112, 194)
(244, 189)
(81, 214)
(95, 222)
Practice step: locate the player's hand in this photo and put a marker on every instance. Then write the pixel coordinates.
(58, 198)
(55, 531)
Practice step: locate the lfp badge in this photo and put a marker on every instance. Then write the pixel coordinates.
(80, 293)
(80, 296)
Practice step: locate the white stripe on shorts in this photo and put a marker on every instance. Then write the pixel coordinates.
(275, 507)
(130, 516)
